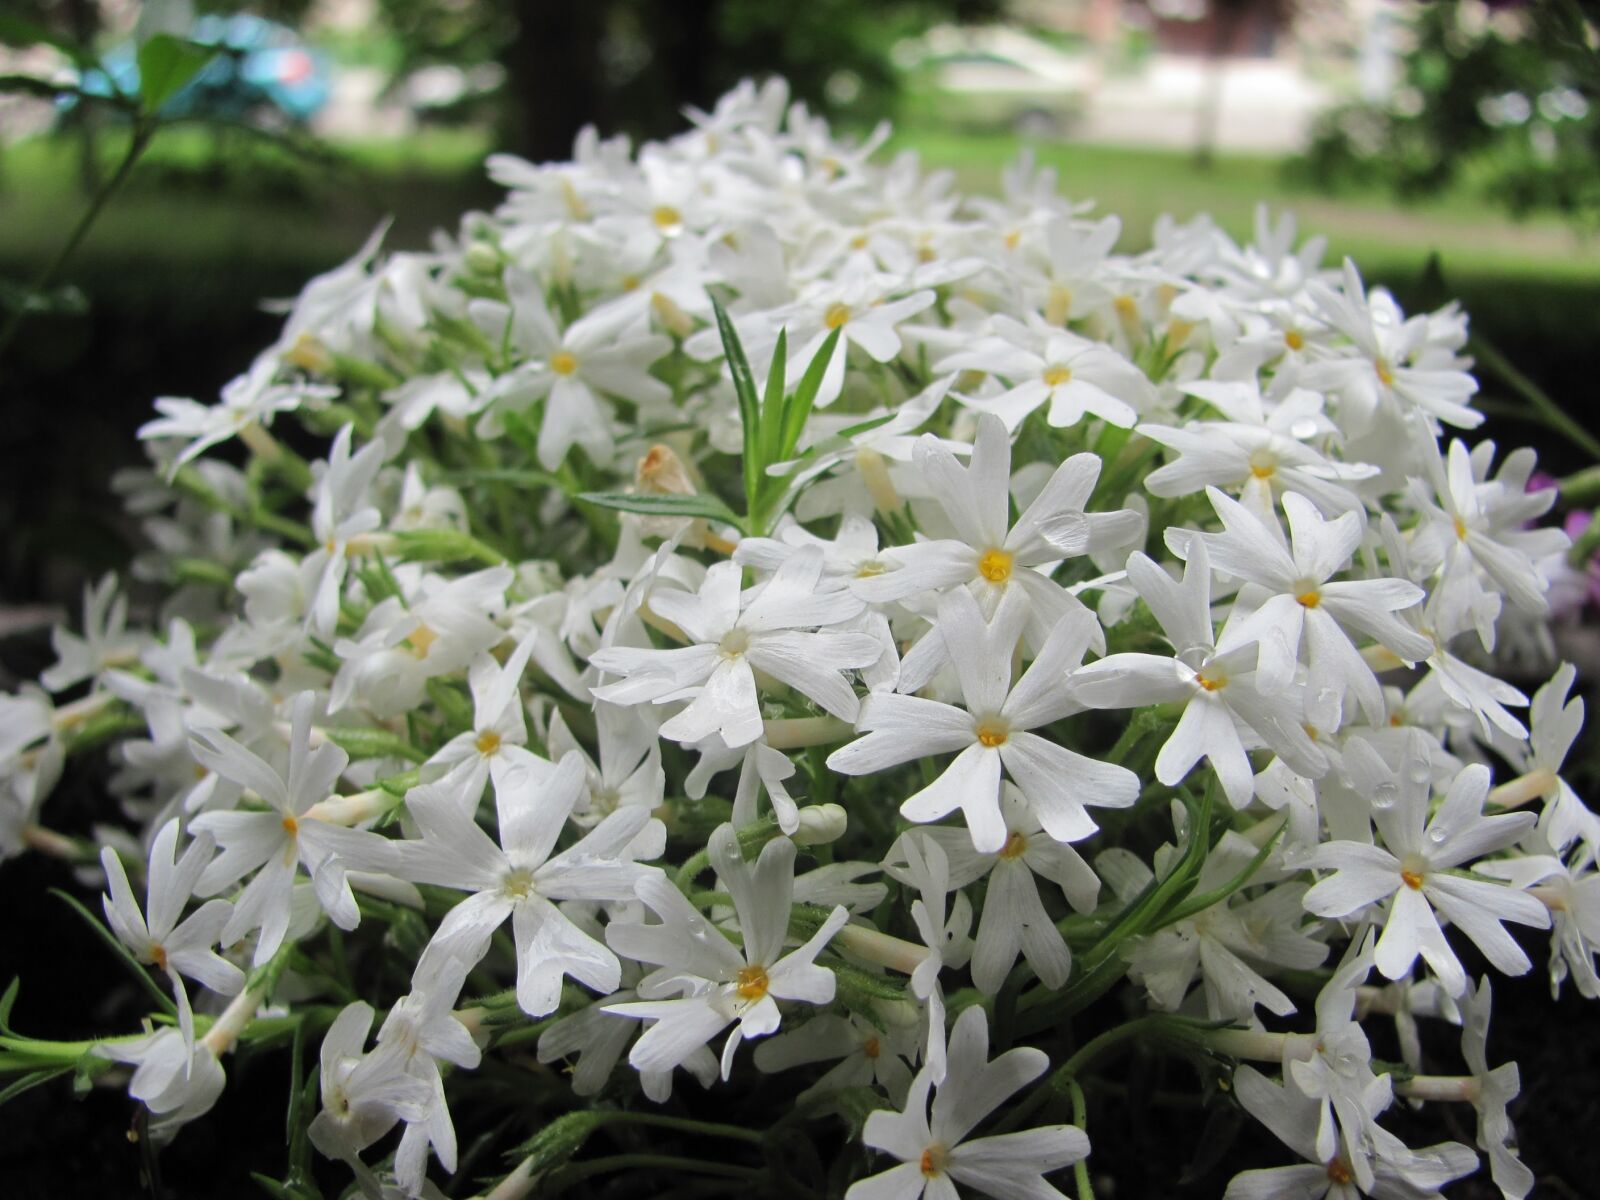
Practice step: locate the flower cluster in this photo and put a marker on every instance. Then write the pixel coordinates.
(743, 591)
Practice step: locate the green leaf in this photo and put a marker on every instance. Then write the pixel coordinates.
(166, 64)
(121, 951)
(744, 386)
(444, 545)
(7, 1001)
(31, 1080)
(558, 1141)
(798, 410)
(374, 743)
(706, 506)
(772, 404)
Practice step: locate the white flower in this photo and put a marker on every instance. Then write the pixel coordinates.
(866, 1055)
(341, 516)
(993, 730)
(520, 879)
(989, 553)
(1416, 871)
(420, 1031)
(1214, 679)
(1014, 918)
(176, 947)
(718, 983)
(732, 637)
(1040, 365)
(1491, 1092)
(363, 1095)
(496, 745)
(936, 1153)
(104, 643)
(285, 835)
(603, 353)
(1294, 1118)
(1296, 608)
(177, 1079)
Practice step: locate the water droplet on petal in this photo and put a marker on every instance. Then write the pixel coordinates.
(1385, 796)
(1419, 770)
(1301, 430)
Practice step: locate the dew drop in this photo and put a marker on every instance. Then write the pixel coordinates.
(1419, 770)
(1385, 796)
(1437, 835)
(1301, 430)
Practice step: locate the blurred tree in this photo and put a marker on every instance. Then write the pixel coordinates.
(630, 65)
(1502, 97)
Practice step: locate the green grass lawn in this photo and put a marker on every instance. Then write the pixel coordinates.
(1385, 237)
(298, 211)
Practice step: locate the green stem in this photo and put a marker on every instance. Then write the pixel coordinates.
(681, 1124)
(564, 1178)
(1544, 408)
(1080, 1115)
(142, 133)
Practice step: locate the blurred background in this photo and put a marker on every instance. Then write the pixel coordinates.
(1452, 148)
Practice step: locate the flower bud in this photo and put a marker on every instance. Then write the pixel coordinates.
(820, 824)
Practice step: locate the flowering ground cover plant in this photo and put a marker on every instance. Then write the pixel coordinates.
(742, 591)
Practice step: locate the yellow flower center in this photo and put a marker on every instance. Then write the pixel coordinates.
(1461, 529)
(1056, 376)
(859, 242)
(1012, 239)
(868, 569)
(933, 1160)
(1385, 372)
(735, 642)
(993, 732)
(291, 826)
(158, 955)
(421, 640)
(871, 1048)
(995, 565)
(666, 217)
(563, 362)
(518, 884)
(1339, 1171)
(1294, 339)
(836, 315)
(1016, 846)
(1211, 679)
(751, 983)
(488, 742)
(1309, 599)
(1412, 877)
(1059, 307)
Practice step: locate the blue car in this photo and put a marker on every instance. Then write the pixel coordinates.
(261, 65)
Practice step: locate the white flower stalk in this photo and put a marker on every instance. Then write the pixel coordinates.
(934, 1148)
(157, 936)
(719, 984)
(993, 731)
(522, 879)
